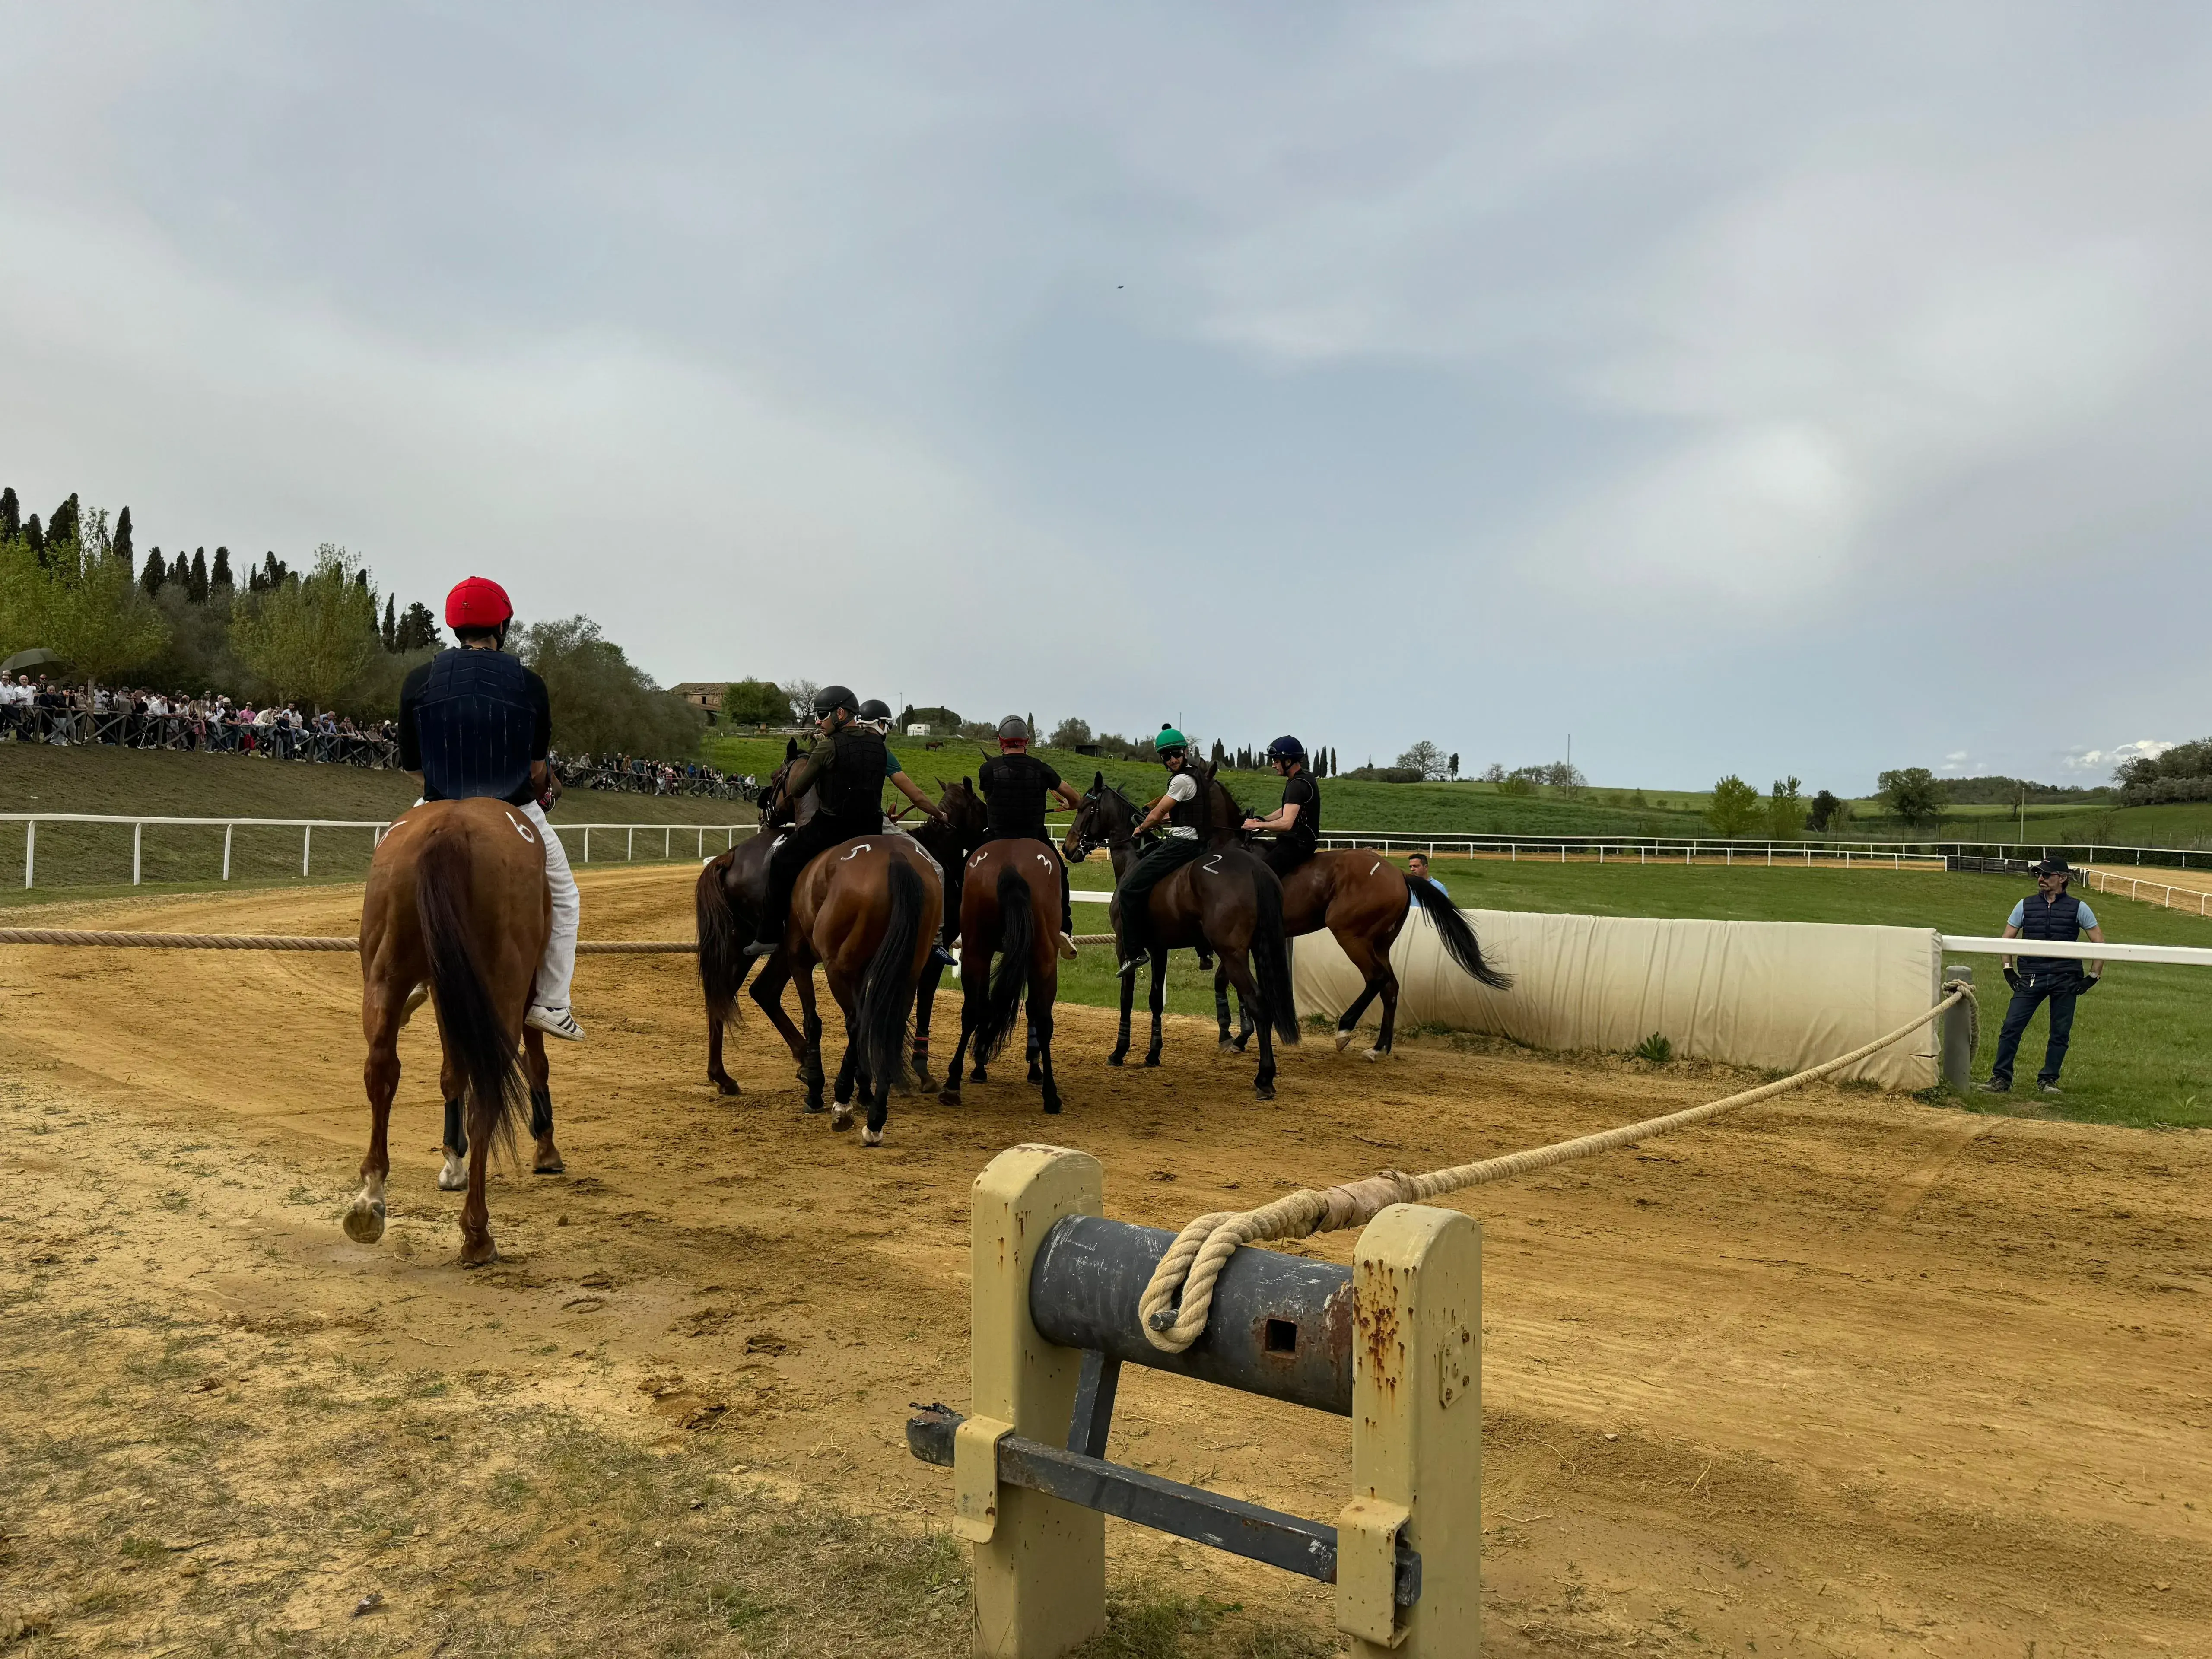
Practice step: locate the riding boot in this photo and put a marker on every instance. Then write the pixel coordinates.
(1067, 916)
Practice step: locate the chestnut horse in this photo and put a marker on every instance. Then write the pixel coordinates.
(727, 905)
(456, 900)
(1009, 908)
(1362, 899)
(1226, 901)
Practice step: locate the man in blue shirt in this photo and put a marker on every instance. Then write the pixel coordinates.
(1417, 869)
(2056, 914)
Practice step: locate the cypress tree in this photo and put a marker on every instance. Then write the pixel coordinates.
(62, 526)
(181, 572)
(197, 591)
(11, 514)
(221, 575)
(36, 537)
(157, 573)
(122, 535)
(390, 630)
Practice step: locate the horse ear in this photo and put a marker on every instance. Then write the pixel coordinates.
(969, 786)
(1097, 780)
(790, 749)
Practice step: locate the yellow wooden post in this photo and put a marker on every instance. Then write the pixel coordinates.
(1416, 1436)
(1040, 1563)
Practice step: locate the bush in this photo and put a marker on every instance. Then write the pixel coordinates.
(755, 703)
(1735, 810)
(1655, 1049)
(1785, 811)
(1385, 774)
(603, 703)
(1070, 734)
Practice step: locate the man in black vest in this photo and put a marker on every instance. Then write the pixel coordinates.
(1184, 806)
(475, 722)
(1014, 783)
(1296, 825)
(2056, 914)
(847, 767)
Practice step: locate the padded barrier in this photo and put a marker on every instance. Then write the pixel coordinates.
(1771, 994)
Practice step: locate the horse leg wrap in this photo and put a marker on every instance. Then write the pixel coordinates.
(541, 1112)
(457, 1136)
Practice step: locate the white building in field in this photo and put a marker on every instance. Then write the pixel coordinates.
(920, 729)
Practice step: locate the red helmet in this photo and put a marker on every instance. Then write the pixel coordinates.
(478, 602)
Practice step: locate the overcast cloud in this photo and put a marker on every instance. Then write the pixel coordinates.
(1736, 387)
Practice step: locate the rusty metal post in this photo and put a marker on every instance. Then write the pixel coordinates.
(1416, 1436)
(1040, 1562)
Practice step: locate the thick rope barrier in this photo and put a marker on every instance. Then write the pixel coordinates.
(1194, 1262)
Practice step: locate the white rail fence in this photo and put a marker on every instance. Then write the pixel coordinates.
(1673, 849)
(672, 835)
(2194, 901)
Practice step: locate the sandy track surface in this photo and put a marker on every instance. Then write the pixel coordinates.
(1847, 1375)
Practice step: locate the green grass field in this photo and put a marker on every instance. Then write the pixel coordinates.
(73, 859)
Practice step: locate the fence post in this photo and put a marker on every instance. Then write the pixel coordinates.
(1959, 1036)
(668, 840)
(307, 847)
(629, 844)
(1416, 1436)
(227, 828)
(1040, 1572)
(30, 849)
(702, 843)
(587, 843)
(137, 834)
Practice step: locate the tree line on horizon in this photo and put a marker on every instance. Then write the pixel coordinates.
(322, 636)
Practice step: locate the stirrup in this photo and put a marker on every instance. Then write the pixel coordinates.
(761, 947)
(1130, 967)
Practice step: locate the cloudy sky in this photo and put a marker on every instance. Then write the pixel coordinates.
(1733, 386)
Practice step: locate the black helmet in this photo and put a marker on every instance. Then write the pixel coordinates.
(874, 709)
(1287, 750)
(831, 698)
(1014, 729)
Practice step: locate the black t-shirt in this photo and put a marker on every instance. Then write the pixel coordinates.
(1302, 792)
(1014, 788)
(470, 722)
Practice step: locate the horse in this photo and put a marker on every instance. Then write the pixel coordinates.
(1227, 901)
(456, 899)
(1362, 899)
(727, 905)
(1009, 907)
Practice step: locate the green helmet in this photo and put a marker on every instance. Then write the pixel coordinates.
(1168, 739)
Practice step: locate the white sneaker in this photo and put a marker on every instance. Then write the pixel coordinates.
(554, 1022)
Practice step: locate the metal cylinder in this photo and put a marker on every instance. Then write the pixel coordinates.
(1959, 1035)
(1280, 1326)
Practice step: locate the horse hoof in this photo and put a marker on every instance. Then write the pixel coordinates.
(948, 1097)
(978, 1075)
(364, 1220)
(1265, 1091)
(1227, 1047)
(1114, 1060)
(725, 1086)
(549, 1164)
(1052, 1108)
(1036, 1074)
(872, 1137)
(840, 1121)
(1151, 1059)
(1375, 1054)
(1343, 1041)
(1240, 1043)
(454, 1176)
(474, 1254)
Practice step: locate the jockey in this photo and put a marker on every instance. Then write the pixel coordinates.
(1014, 783)
(847, 763)
(1297, 825)
(1184, 807)
(475, 722)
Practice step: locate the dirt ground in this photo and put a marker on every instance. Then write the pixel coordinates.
(1847, 1374)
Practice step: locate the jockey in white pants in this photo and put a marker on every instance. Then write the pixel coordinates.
(475, 722)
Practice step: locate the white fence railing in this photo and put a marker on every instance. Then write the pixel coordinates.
(1671, 848)
(307, 827)
(2196, 901)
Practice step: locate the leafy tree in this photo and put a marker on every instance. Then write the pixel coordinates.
(1785, 811)
(1454, 763)
(122, 548)
(1735, 810)
(418, 629)
(1913, 795)
(1071, 733)
(1424, 757)
(308, 638)
(800, 694)
(602, 702)
(157, 573)
(1823, 815)
(95, 612)
(196, 582)
(11, 514)
(1494, 773)
(755, 703)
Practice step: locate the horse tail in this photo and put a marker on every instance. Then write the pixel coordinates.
(1017, 941)
(468, 1020)
(1271, 959)
(723, 964)
(887, 991)
(1460, 942)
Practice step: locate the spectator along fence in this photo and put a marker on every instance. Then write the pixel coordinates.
(91, 846)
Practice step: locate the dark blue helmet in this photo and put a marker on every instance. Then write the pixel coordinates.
(1287, 749)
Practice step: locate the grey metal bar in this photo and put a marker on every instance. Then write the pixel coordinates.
(1281, 1325)
(1228, 1524)
(1092, 1419)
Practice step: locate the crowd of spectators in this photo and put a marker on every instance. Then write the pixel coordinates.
(139, 717)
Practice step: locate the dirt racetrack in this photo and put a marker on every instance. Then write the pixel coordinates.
(1847, 1375)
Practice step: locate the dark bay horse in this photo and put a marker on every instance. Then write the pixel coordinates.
(1009, 908)
(1226, 901)
(457, 900)
(1362, 899)
(733, 885)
